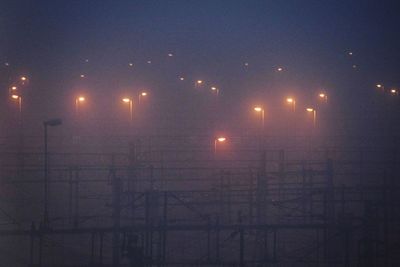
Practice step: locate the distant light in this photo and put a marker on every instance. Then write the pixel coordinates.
(199, 82)
(14, 96)
(258, 109)
(143, 94)
(181, 78)
(310, 109)
(126, 100)
(23, 78)
(350, 53)
(7, 64)
(13, 88)
(82, 75)
(149, 62)
(322, 95)
(86, 60)
(280, 69)
(213, 88)
(81, 98)
(221, 139)
(130, 64)
(246, 64)
(170, 55)
(393, 91)
(379, 86)
(354, 66)
(289, 100)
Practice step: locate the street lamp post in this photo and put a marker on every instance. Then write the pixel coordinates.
(19, 99)
(314, 112)
(78, 100)
(142, 94)
(220, 139)
(292, 102)
(324, 97)
(52, 122)
(129, 101)
(261, 111)
(215, 89)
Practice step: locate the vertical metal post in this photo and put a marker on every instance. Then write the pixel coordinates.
(116, 184)
(45, 214)
(76, 214)
(32, 243)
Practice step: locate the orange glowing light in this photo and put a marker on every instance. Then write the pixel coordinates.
(15, 96)
(126, 100)
(213, 88)
(310, 109)
(199, 82)
(23, 78)
(13, 88)
(379, 86)
(81, 98)
(258, 109)
(322, 95)
(289, 100)
(393, 91)
(221, 139)
(143, 94)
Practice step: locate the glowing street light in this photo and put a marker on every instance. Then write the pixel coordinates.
(291, 101)
(380, 86)
(217, 140)
(19, 99)
(13, 88)
(129, 101)
(78, 101)
(324, 97)
(215, 89)
(142, 94)
(314, 112)
(199, 82)
(181, 78)
(279, 69)
(261, 111)
(394, 91)
(23, 80)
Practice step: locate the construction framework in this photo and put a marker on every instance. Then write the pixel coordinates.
(155, 206)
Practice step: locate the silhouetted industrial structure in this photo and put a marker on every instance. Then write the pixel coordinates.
(173, 201)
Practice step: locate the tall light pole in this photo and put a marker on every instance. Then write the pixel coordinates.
(129, 101)
(261, 111)
(52, 122)
(215, 89)
(142, 94)
(78, 101)
(220, 139)
(291, 101)
(323, 96)
(19, 99)
(314, 113)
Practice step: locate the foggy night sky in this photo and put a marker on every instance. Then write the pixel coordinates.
(210, 40)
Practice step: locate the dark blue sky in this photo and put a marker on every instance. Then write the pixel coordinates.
(211, 40)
